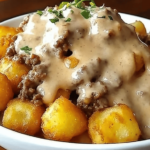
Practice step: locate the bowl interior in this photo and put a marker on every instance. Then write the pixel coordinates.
(17, 141)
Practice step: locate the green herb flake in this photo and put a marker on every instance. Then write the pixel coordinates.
(50, 10)
(86, 14)
(54, 20)
(59, 14)
(26, 49)
(39, 12)
(62, 5)
(102, 17)
(92, 3)
(68, 20)
(68, 5)
(76, 1)
(72, 11)
(80, 4)
(55, 12)
(110, 17)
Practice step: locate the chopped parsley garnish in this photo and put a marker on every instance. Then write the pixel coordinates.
(92, 5)
(54, 20)
(76, 1)
(39, 12)
(102, 17)
(26, 49)
(86, 14)
(80, 4)
(68, 20)
(110, 17)
(68, 5)
(62, 5)
(50, 10)
(72, 11)
(59, 14)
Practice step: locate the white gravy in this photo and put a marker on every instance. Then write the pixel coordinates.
(112, 42)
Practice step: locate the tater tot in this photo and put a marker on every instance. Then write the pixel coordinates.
(4, 31)
(14, 71)
(23, 116)
(114, 125)
(63, 120)
(140, 29)
(71, 62)
(6, 37)
(139, 62)
(4, 44)
(6, 92)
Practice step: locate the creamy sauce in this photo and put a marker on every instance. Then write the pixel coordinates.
(106, 51)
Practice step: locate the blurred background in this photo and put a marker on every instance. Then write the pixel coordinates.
(12, 8)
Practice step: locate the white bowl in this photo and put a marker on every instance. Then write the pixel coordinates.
(16, 141)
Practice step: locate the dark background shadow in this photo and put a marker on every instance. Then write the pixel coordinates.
(12, 8)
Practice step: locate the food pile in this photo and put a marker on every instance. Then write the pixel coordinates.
(76, 73)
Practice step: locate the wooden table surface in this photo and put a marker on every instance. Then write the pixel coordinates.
(1, 148)
(12, 8)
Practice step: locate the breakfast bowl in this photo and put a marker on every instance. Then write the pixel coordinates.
(45, 140)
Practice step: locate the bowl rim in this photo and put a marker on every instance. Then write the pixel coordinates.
(23, 138)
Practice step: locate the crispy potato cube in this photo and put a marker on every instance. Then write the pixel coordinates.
(71, 62)
(23, 116)
(4, 44)
(4, 31)
(139, 62)
(6, 92)
(64, 93)
(114, 125)
(14, 71)
(82, 138)
(140, 29)
(6, 34)
(63, 120)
